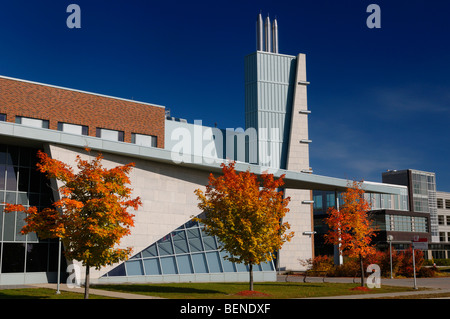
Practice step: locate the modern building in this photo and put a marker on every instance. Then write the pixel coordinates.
(172, 158)
(443, 206)
(389, 213)
(421, 193)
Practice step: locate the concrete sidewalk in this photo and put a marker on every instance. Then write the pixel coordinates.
(99, 292)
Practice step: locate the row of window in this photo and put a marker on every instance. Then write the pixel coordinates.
(406, 223)
(440, 203)
(186, 250)
(112, 135)
(443, 237)
(326, 199)
(444, 220)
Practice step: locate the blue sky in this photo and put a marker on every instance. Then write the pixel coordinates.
(380, 98)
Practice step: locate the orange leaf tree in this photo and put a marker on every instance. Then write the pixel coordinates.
(350, 226)
(245, 214)
(91, 217)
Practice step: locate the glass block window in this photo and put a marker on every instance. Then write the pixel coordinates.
(186, 250)
(144, 140)
(73, 128)
(111, 135)
(32, 122)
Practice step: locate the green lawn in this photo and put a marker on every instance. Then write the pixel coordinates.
(278, 290)
(42, 293)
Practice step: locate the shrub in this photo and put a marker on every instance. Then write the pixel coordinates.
(401, 264)
(425, 272)
(406, 267)
(319, 263)
(438, 262)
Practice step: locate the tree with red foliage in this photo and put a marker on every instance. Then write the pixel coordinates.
(91, 217)
(246, 214)
(350, 226)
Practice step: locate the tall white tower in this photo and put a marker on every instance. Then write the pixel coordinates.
(276, 106)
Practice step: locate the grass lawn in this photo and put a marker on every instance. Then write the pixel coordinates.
(277, 290)
(42, 293)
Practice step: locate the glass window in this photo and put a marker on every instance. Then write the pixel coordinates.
(267, 266)
(118, 271)
(73, 128)
(32, 122)
(318, 205)
(11, 178)
(331, 200)
(228, 266)
(3, 154)
(199, 261)
(13, 259)
(440, 203)
(178, 258)
(168, 265)
(134, 268)
(184, 264)
(20, 222)
(420, 224)
(24, 179)
(37, 255)
(214, 261)
(110, 134)
(241, 267)
(2, 177)
(165, 246)
(2, 117)
(9, 229)
(179, 242)
(447, 203)
(195, 243)
(152, 266)
(150, 251)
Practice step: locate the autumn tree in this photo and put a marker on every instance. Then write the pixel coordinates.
(245, 214)
(350, 226)
(91, 217)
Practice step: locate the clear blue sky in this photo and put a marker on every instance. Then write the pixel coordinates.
(380, 98)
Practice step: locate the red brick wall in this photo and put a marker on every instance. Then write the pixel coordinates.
(43, 102)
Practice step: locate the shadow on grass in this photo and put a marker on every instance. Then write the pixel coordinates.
(24, 296)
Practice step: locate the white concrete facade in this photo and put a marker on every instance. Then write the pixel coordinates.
(300, 216)
(166, 191)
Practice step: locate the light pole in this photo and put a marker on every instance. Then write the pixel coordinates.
(390, 238)
(59, 267)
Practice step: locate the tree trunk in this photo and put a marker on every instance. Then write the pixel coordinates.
(362, 270)
(251, 276)
(86, 286)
